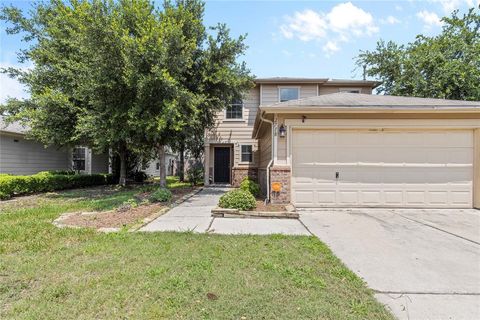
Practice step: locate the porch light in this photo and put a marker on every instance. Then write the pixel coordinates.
(282, 131)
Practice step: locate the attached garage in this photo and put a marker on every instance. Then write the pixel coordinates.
(387, 168)
(360, 150)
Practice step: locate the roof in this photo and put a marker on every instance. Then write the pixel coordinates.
(344, 102)
(358, 100)
(324, 81)
(14, 127)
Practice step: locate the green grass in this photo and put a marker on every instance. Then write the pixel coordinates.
(51, 273)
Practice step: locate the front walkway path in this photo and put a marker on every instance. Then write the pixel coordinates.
(195, 215)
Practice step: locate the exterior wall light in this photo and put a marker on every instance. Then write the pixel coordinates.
(282, 131)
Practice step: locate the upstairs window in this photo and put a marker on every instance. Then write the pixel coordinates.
(247, 155)
(289, 94)
(234, 111)
(350, 90)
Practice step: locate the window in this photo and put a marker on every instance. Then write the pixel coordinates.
(350, 90)
(78, 156)
(158, 165)
(289, 94)
(234, 111)
(247, 155)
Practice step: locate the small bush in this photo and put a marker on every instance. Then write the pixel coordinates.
(250, 186)
(47, 181)
(137, 176)
(237, 199)
(161, 195)
(195, 173)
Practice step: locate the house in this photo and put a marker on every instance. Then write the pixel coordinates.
(21, 156)
(171, 165)
(331, 143)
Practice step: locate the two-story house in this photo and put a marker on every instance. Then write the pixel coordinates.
(321, 142)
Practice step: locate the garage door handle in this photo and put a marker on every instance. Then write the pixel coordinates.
(337, 175)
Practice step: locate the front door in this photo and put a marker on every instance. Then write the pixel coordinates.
(222, 165)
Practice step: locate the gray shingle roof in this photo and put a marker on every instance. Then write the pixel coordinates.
(351, 100)
(13, 127)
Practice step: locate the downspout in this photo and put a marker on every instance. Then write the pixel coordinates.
(272, 157)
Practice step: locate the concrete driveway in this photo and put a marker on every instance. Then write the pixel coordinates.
(423, 264)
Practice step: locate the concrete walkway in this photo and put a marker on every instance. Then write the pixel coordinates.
(195, 215)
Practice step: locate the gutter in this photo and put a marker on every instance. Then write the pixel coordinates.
(273, 152)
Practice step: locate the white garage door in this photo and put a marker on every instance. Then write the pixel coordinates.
(382, 168)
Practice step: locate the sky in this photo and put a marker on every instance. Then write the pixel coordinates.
(295, 38)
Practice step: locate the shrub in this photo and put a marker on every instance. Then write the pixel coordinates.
(250, 186)
(138, 176)
(161, 195)
(195, 173)
(237, 199)
(48, 181)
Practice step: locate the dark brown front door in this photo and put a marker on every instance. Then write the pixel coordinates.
(221, 168)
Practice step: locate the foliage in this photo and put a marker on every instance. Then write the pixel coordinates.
(174, 182)
(161, 195)
(237, 199)
(122, 74)
(445, 66)
(137, 176)
(251, 186)
(195, 173)
(47, 181)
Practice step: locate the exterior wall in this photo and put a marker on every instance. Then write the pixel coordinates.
(240, 173)
(476, 168)
(29, 157)
(99, 163)
(282, 175)
(152, 170)
(334, 89)
(270, 92)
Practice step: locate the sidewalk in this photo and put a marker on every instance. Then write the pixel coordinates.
(195, 215)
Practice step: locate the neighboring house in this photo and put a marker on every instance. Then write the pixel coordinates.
(23, 157)
(171, 165)
(330, 143)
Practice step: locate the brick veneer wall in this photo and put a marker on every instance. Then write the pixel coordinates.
(280, 174)
(238, 174)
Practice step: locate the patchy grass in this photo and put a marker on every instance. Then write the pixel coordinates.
(51, 273)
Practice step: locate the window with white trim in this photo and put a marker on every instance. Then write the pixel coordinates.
(247, 154)
(78, 157)
(287, 94)
(234, 111)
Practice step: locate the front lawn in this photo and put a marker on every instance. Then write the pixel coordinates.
(51, 273)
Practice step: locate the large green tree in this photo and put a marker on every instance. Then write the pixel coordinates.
(122, 74)
(443, 66)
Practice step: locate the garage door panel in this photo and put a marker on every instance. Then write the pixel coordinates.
(397, 169)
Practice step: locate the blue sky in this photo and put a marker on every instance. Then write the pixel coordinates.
(297, 38)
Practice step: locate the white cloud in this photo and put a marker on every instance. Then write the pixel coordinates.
(398, 7)
(389, 20)
(449, 5)
(340, 24)
(11, 88)
(429, 18)
(330, 48)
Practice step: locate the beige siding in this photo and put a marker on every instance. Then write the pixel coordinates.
(99, 163)
(23, 157)
(476, 168)
(265, 146)
(238, 132)
(335, 89)
(270, 92)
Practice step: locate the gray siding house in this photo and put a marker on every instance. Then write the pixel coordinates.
(20, 156)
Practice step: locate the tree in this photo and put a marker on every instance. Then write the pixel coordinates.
(444, 66)
(122, 74)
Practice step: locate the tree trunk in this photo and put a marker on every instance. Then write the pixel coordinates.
(123, 166)
(181, 164)
(161, 158)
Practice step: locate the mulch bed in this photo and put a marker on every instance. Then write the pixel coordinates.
(122, 216)
(269, 207)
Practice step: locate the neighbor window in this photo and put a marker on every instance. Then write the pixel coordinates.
(247, 155)
(234, 111)
(289, 94)
(79, 158)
